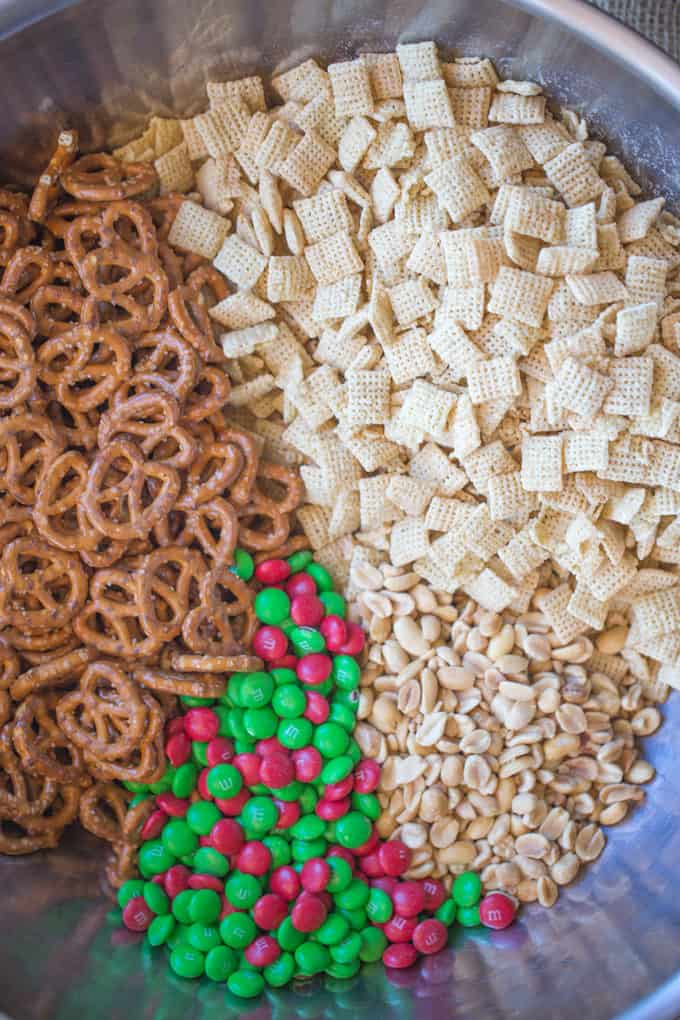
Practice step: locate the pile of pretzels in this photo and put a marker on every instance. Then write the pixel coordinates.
(124, 492)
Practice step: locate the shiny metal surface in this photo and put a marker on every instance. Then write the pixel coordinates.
(611, 947)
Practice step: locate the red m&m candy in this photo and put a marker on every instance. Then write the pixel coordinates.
(154, 824)
(315, 875)
(285, 881)
(233, 805)
(248, 765)
(318, 709)
(300, 584)
(400, 956)
(219, 751)
(289, 812)
(308, 764)
(408, 899)
(355, 640)
(178, 748)
(309, 913)
(277, 770)
(175, 725)
(263, 951)
(137, 915)
(270, 643)
(331, 810)
(201, 881)
(334, 630)
(430, 936)
(177, 807)
(254, 858)
(176, 880)
(272, 571)
(366, 776)
(400, 929)
(306, 610)
(314, 668)
(269, 911)
(201, 724)
(435, 893)
(339, 790)
(227, 836)
(497, 911)
(395, 857)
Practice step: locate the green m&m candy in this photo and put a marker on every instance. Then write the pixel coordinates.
(279, 848)
(333, 930)
(154, 857)
(305, 849)
(181, 904)
(260, 814)
(324, 581)
(156, 898)
(308, 798)
(272, 606)
(308, 827)
(187, 962)
(354, 896)
(346, 672)
(260, 723)
(343, 971)
(468, 916)
(311, 958)
(281, 675)
(333, 603)
(289, 701)
(224, 781)
(178, 838)
(466, 889)
(330, 739)
(204, 936)
(342, 715)
(205, 906)
(160, 929)
(220, 962)
(242, 890)
(288, 937)
(246, 984)
(243, 565)
(133, 887)
(379, 907)
(367, 804)
(255, 690)
(373, 944)
(201, 816)
(347, 950)
(199, 752)
(337, 769)
(299, 560)
(446, 912)
(352, 829)
(306, 640)
(295, 733)
(238, 930)
(280, 972)
(209, 861)
(341, 874)
(184, 780)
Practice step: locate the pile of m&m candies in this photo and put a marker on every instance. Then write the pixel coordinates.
(261, 861)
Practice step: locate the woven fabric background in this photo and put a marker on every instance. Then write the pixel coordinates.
(659, 20)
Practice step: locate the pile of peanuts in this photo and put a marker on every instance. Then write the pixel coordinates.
(501, 751)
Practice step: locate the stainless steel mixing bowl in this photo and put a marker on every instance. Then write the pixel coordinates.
(611, 947)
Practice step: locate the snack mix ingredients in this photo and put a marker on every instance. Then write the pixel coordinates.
(408, 333)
